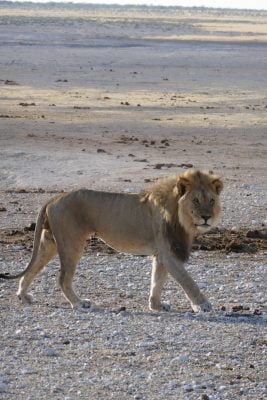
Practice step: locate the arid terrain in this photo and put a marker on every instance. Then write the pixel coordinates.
(114, 98)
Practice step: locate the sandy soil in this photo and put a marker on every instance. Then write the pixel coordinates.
(114, 98)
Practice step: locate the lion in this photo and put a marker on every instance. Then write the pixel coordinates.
(160, 222)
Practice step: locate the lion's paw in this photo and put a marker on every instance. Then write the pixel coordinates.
(204, 307)
(25, 298)
(81, 303)
(159, 307)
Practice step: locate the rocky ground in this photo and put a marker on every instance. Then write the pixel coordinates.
(118, 348)
(83, 105)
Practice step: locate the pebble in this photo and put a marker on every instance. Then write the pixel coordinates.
(138, 397)
(181, 358)
(188, 388)
(50, 352)
(173, 384)
(130, 190)
(98, 322)
(3, 387)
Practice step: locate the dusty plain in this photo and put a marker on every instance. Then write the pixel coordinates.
(114, 98)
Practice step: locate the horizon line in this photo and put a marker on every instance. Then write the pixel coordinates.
(145, 4)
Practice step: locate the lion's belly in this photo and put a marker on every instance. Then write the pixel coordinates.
(126, 244)
(123, 222)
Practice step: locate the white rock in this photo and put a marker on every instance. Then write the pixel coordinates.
(130, 190)
(234, 229)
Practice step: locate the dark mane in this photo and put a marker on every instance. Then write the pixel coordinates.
(179, 240)
(165, 196)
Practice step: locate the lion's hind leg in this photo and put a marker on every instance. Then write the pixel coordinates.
(70, 250)
(47, 250)
(158, 278)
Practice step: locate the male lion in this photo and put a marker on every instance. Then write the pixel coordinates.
(160, 221)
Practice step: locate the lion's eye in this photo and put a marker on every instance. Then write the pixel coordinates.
(212, 201)
(196, 201)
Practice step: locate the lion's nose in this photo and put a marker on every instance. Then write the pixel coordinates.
(206, 218)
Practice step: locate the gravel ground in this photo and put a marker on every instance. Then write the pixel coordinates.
(172, 103)
(118, 349)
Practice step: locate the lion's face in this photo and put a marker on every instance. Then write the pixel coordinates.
(199, 203)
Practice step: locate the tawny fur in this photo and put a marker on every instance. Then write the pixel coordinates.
(160, 221)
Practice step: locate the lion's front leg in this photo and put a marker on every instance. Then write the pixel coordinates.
(158, 278)
(176, 268)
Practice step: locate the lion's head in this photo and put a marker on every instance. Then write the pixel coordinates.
(191, 199)
(199, 202)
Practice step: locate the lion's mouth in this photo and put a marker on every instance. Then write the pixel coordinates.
(203, 225)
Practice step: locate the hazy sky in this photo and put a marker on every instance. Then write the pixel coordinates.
(250, 4)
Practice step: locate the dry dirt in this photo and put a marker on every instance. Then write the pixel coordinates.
(115, 98)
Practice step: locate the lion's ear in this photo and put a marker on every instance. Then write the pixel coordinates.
(182, 185)
(217, 185)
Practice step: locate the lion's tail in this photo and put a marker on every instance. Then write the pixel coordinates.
(37, 237)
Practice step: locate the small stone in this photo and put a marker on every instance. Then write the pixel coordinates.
(30, 227)
(257, 312)
(181, 358)
(50, 352)
(237, 308)
(188, 388)
(234, 229)
(173, 384)
(120, 309)
(3, 387)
